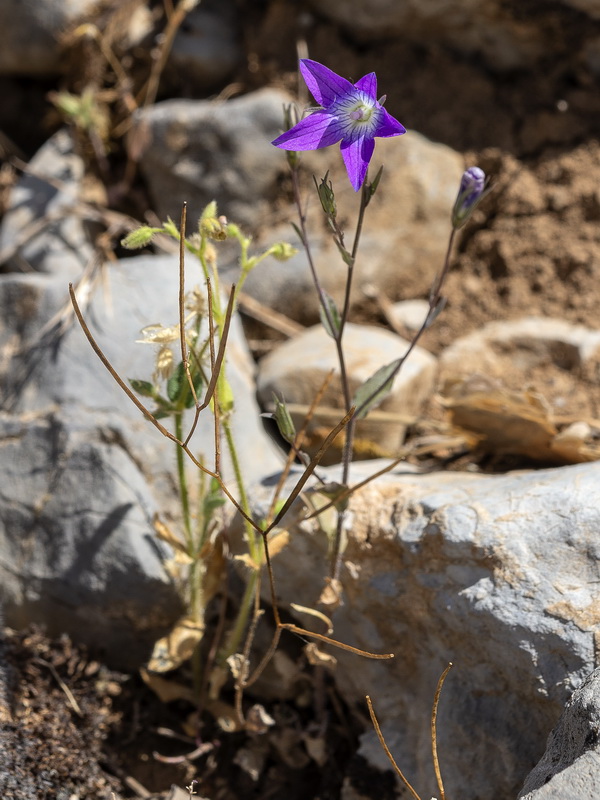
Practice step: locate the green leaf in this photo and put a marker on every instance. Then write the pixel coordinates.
(298, 232)
(331, 322)
(212, 500)
(284, 420)
(435, 311)
(176, 383)
(145, 388)
(373, 390)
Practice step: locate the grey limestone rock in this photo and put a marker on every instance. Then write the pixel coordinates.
(40, 227)
(570, 767)
(203, 150)
(30, 33)
(497, 574)
(83, 470)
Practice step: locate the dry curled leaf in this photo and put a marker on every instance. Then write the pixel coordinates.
(277, 541)
(167, 690)
(177, 646)
(331, 596)
(238, 666)
(318, 658)
(165, 534)
(257, 719)
(520, 423)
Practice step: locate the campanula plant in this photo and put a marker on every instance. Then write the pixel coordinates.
(351, 114)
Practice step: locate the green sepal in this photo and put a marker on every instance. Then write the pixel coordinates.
(171, 228)
(326, 196)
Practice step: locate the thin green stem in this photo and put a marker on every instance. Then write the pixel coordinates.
(307, 249)
(336, 561)
(232, 645)
(239, 479)
(183, 487)
(338, 337)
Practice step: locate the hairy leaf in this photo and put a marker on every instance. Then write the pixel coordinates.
(373, 390)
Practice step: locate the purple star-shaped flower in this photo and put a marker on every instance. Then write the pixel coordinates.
(349, 113)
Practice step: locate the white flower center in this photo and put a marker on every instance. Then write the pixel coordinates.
(362, 113)
(358, 115)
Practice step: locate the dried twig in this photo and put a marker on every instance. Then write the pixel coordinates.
(386, 750)
(436, 700)
(70, 696)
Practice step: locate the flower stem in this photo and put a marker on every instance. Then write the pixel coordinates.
(336, 561)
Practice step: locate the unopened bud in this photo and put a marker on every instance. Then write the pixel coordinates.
(140, 237)
(212, 226)
(471, 191)
(282, 251)
(290, 118)
(284, 419)
(327, 196)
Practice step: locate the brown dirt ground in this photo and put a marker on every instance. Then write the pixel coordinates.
(533, 248)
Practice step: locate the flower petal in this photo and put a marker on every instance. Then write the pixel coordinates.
(356, 155)
(319, 129)
(368, 85)
(388, 125)
(324, 85)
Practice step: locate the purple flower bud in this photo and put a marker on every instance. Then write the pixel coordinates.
(472, 186)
